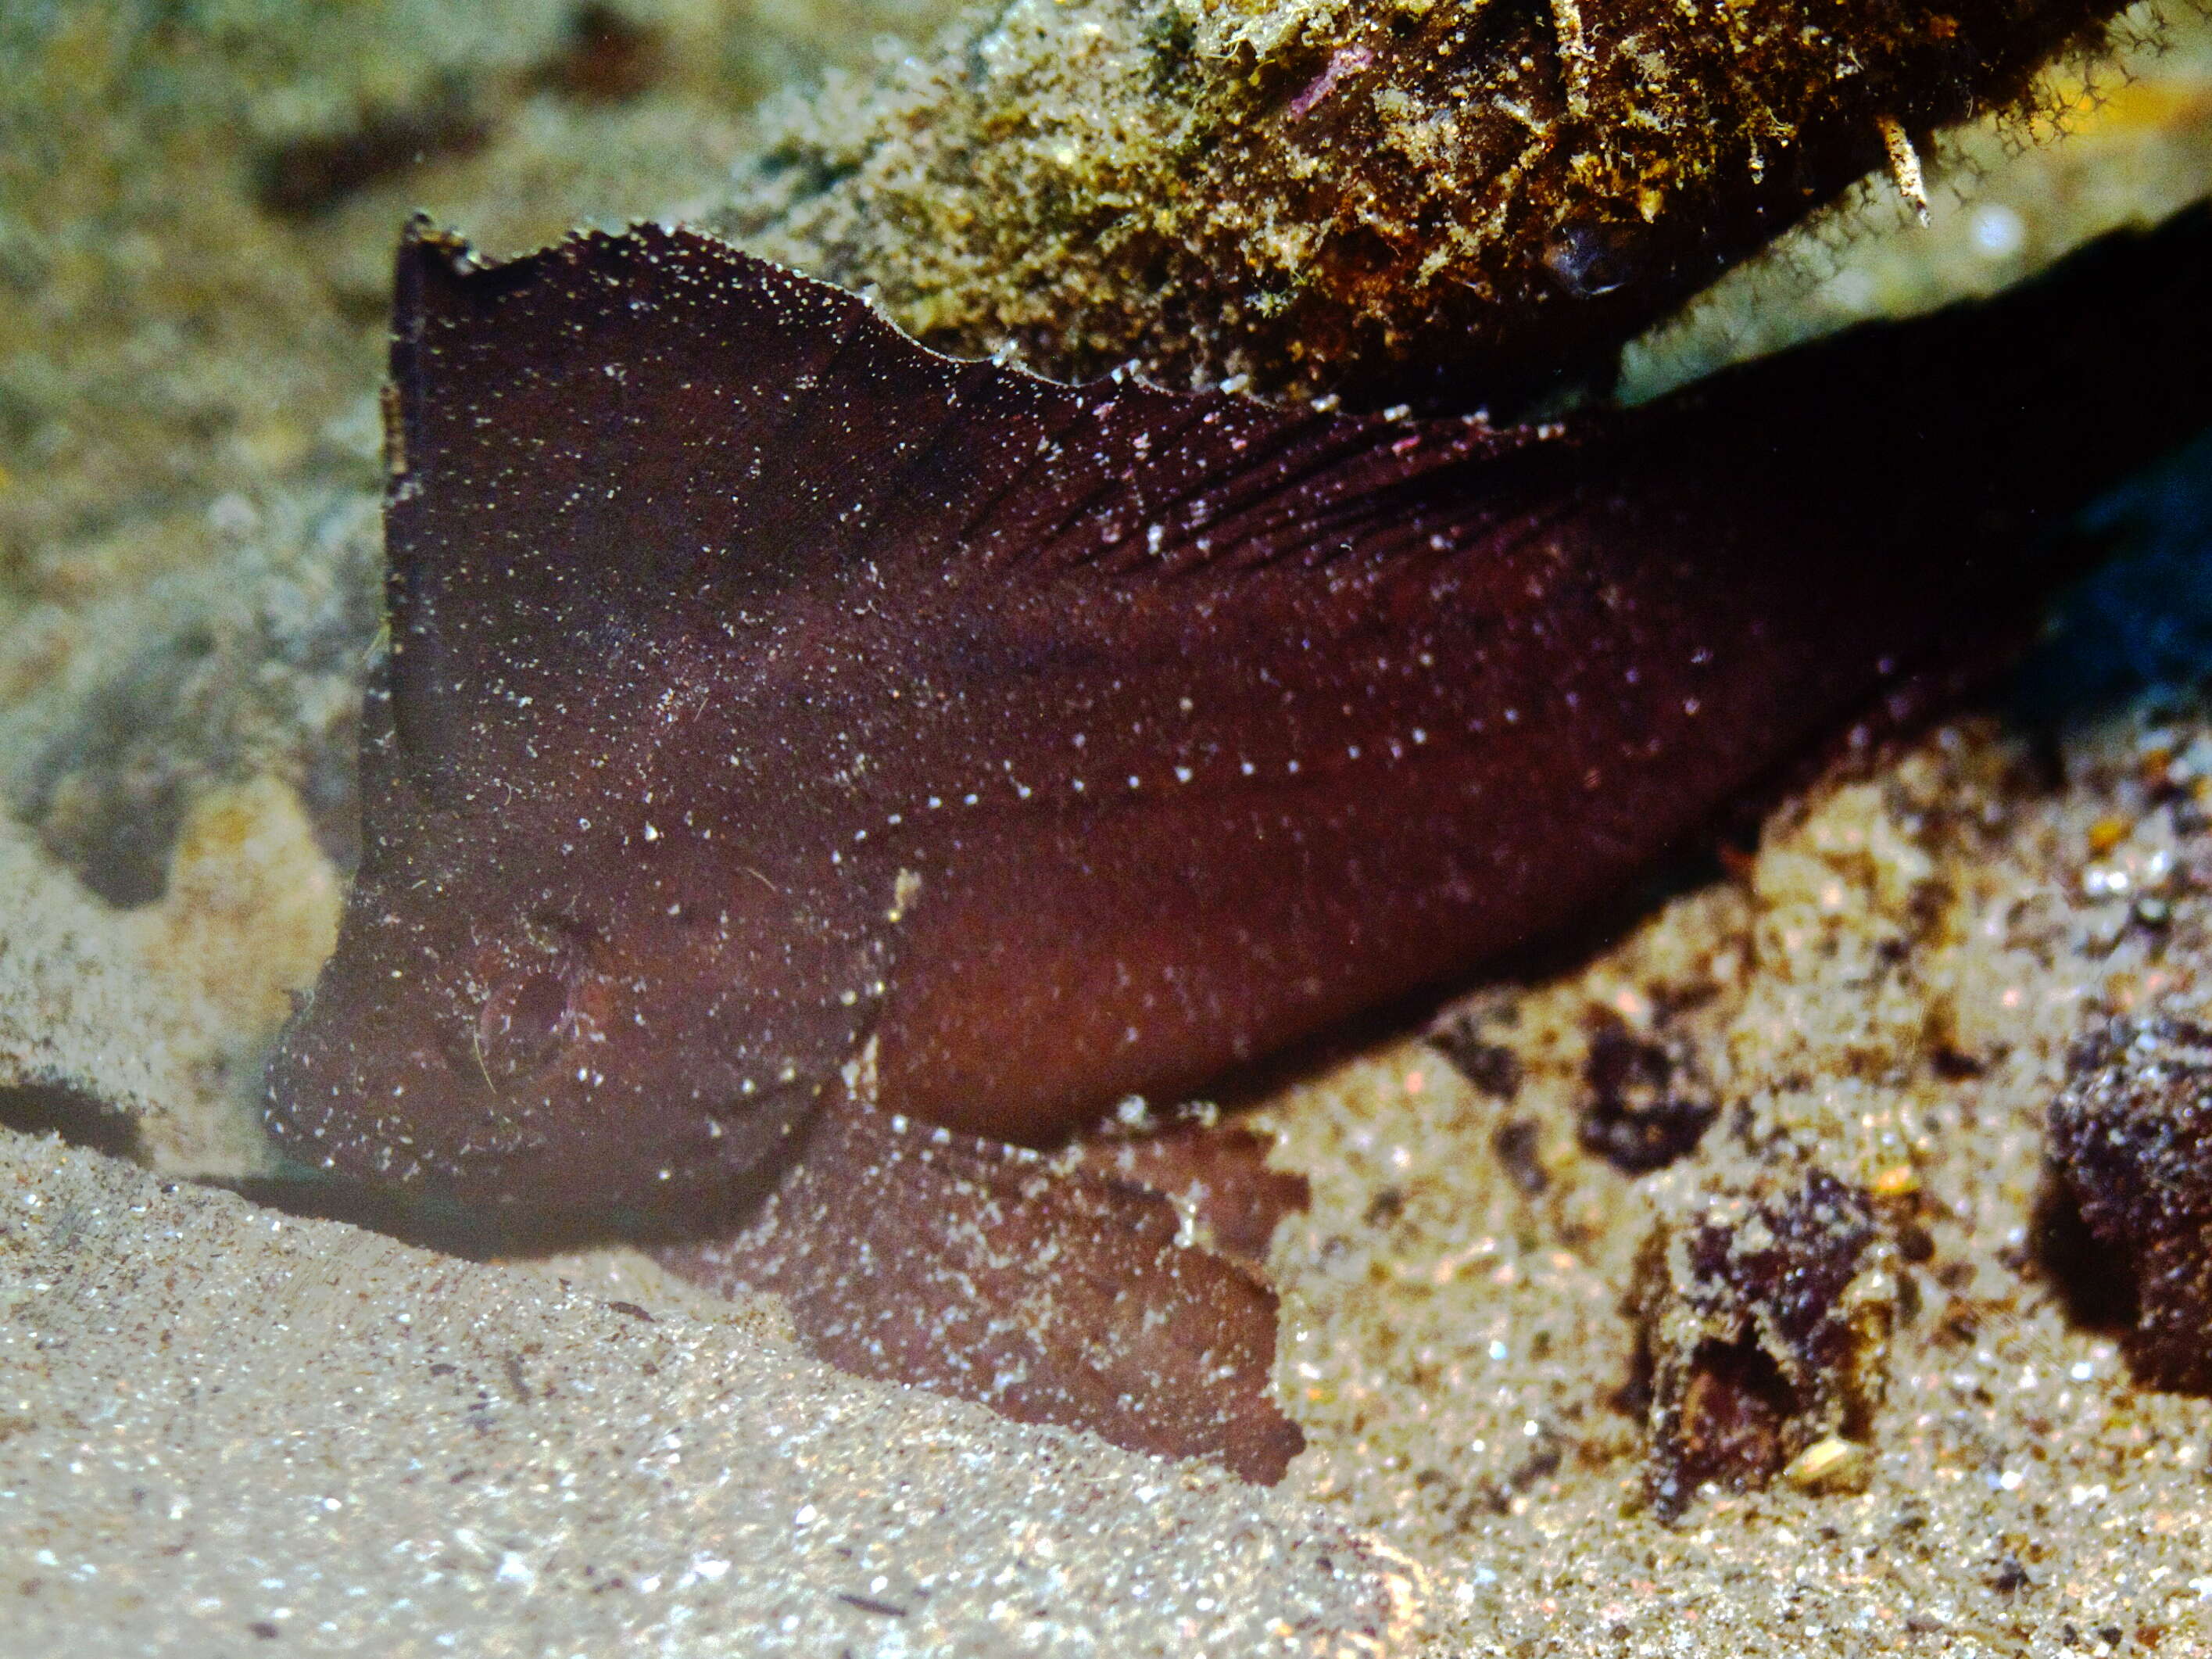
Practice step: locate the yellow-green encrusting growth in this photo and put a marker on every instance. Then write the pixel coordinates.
(1434, 201)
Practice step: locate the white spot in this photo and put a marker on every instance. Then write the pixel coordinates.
(1851, 291)
(1997, 230)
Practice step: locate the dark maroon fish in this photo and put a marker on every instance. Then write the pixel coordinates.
(777, 711)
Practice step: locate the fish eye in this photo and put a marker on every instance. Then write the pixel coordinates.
(523, 1024)
(519, 1002)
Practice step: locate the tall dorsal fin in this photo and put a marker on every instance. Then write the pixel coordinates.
(625, 429)
(589, 439)
(636, 407)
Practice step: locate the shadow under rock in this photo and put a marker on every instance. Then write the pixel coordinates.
(2094, 1281)
(2141, 620)
(80, 1119)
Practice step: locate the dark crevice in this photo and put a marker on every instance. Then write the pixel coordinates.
(78, 1118)
(311, 176)
(605, 57)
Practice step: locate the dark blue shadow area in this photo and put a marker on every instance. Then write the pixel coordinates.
(2143, 619)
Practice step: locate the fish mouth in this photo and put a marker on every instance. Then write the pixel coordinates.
(555, 1134)
(561, 1057)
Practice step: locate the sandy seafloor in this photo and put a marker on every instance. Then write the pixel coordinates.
(226, 1428)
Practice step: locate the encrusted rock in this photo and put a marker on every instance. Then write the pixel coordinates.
(2132, 1138)
(1409, 202)
(1643, 1104)
(1763, 1330)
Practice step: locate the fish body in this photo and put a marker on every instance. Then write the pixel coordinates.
(774, 707)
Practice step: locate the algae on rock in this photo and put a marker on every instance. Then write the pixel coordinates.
(1431, 201)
